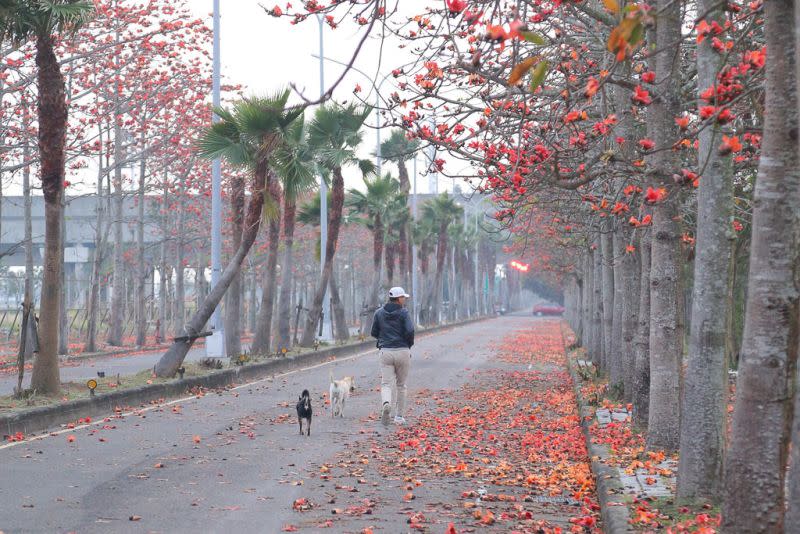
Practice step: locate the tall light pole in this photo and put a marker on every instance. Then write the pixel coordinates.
(416, 297)
(216, 343)
(327, 316)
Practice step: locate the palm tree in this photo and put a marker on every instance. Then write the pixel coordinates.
(334, 135)
(247, 136)
(41, 21)
(399, 149)
(294, 164)
(375, 205)
(443, 210)
(309, 216)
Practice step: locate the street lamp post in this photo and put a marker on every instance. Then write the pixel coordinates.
(416, 299)
(215, 347)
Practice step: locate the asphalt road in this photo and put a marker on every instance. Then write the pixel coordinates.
(229, 460)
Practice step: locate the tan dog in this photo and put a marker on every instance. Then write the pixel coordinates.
(339, 392)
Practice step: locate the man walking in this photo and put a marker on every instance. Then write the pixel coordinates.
(393, 328)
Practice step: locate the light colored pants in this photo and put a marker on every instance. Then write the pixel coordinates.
(394, 371)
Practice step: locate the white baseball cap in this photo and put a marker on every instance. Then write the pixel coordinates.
(398, 292)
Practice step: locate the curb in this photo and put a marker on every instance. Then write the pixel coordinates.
(44, 418)
(616, 519)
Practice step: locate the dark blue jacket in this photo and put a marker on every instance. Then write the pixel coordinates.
(392, 327)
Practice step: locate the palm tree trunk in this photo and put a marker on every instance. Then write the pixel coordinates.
(334, 225)
(287, 265)
(169, 363)
(755, 465)
(233, 327)
(390, 264)
(705, 389)
(378, 236)
(262, 343)
(52, 116)
(341, 331)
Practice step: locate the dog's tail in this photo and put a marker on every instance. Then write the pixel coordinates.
(332, 380)
(305, 394)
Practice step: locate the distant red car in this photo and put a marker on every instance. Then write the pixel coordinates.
(547, 309)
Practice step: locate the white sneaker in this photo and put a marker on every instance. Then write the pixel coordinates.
(385, 414)
(399, 420)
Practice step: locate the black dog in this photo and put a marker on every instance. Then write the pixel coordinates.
(304, 411)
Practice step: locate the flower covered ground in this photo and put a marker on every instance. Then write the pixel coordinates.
(504, 453)
(654, 509)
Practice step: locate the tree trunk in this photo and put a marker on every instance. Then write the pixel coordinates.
(630, 313)
(117, 312)
(378, 235)
(666, 342)
(402, 256)
(334, 224)
(100, 238)
(284, 303)
(588, 290)
(63, 323)
(233, 327)
(610, 359)
(436, 293)
(52, 117)
(390, 265)
(28, 297)
(341, 331)
(262, 342)
(705, 391)
(164, 273)
(169, 363)
(641, 377)
(756, 463)
(179, 318)
(143, 271)
(597, 303)
(793, 482)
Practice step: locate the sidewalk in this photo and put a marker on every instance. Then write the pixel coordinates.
(644, 481)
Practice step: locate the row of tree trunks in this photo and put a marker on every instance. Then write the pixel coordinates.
(687, 412)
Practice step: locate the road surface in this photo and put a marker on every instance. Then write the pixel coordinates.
(233, 460)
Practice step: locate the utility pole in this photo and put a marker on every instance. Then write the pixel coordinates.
(327, 326)
(215, 345)
(416, 298)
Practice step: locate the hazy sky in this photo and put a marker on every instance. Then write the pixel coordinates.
(265, 53)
